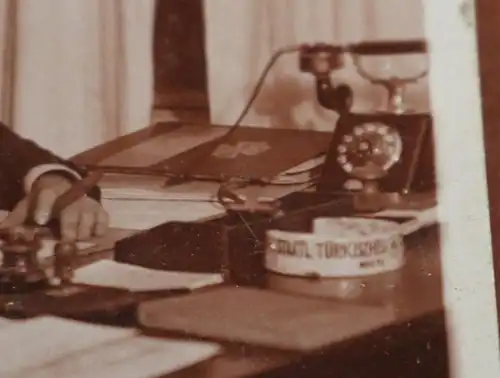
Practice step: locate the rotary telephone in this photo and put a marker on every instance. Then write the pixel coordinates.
(383, 157)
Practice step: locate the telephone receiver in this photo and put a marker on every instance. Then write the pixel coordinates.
(405, 137)
(321, 60)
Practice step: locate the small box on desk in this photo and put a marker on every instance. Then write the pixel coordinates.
(232, 244)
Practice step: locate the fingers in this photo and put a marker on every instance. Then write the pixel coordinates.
(37, 205)
(102, 222)
(43, 206)
(69, 223)
(86, 225)
(82, 220)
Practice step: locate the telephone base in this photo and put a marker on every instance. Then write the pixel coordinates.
(374, 202)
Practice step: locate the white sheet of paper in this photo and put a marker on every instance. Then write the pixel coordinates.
(66, 337)
(114, 274)
(152, 188)
(127, 187)
(82, 350)
(138, 209)
(426, 216)
(144, 214)
(6, 322)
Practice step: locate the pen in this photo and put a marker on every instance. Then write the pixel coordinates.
(78, 190)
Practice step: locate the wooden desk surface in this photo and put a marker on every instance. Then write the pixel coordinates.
(418, 334)
(415, 346)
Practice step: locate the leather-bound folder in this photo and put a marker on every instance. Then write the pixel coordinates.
(207, 151)
(263, 318)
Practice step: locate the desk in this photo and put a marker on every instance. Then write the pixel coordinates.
(414, 346)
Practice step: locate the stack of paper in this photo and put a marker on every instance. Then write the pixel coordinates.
(128, 187)
(110, 273)
(142, 202)
(302, 173)
(122, 186)
(145, 214)
(48, 347)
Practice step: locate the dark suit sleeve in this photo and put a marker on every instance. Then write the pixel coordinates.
(17, 157)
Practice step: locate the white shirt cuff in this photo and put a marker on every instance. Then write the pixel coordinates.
(39, 170)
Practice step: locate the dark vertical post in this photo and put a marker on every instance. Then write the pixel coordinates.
(180, 69)
(488, 36)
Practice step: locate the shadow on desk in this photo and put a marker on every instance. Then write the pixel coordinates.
(414, 349)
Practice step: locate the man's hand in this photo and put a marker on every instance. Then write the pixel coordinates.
(80, 220)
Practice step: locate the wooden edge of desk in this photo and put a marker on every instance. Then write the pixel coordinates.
(416, 347)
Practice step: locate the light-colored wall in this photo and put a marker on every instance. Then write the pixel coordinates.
(78, 72)
(242, 35)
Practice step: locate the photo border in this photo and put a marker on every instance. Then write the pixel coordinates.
(465, 190)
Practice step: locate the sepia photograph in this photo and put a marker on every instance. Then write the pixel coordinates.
(154, 226)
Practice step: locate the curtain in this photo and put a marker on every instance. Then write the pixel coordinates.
(76, 73)
(239, 46)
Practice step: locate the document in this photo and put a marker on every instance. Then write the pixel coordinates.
(5, 322)
(145, 214)
(147, 203)
(82, 350)
(129, 187)
(110, 273)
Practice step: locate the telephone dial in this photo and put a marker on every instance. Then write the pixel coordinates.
(383, 156)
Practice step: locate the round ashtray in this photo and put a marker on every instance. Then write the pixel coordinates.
(375, 289)
(337, 248)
